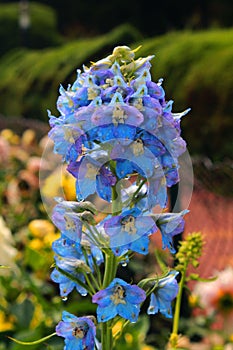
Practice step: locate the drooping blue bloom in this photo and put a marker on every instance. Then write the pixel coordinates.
(79, 332)
(157, 190)
(68, 248)
(170, 224)
(119, 298)
(129, 231)
(67, 220)
(70, 257)
(142, 152)
(161, 299)
(169, 135)
(93, 176)
(67, 138)
(155, 90)
(66, 284)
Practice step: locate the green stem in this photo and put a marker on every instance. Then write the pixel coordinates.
(175, 329)
(137, 191)
(98, 273)
(109, 275)
(75, 279)
(92, 289)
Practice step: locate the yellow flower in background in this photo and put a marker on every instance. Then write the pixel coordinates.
(68, 185)
(43, 232)
(36, 244)
(49, 239)
(28, 137)
(117, 328)
(128, 338)
(40, 228)
(10, 136)
(59, 184)
(6, 324)
(193, 300)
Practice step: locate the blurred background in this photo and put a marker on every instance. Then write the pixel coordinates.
(42, 45)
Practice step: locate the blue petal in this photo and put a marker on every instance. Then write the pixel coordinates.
(102, 298)
(134, 294)
(124, 168)
(68, 317)
(64, 329)
(153, 307)
(165, 307)
(106, 313)
(140, 245)
(73, 344)
(128, 311)
(66, 288)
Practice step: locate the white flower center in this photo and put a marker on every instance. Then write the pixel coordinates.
(68, 134)
(128, 225)
(91, 172)
(118, 116)
(79, 332)
(70, 224)
(137, 147)
(92, 93)
(118, 295)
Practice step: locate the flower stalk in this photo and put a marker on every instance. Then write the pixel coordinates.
(121, 142)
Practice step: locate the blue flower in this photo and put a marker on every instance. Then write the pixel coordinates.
(79, 332)
(66, 247)
(67, 220)
(68, 283)
(166, 290)
(119, 298)
(170, 224)
(141, 152)
(157, 190)
(93, 175)
(129, 231)
(117, 112)
(170, 167)
(67, 138)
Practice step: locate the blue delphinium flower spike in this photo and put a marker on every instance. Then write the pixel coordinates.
(119, 298)
(165, 292)
(79, 332)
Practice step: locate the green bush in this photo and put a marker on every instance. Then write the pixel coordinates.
(197, 68)
(42, 31)
(29, 80)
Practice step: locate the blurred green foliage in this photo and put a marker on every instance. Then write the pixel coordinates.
(196, 66)
(42, 31)
(30, 79)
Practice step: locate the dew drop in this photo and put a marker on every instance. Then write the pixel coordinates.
(64, 298)
(124, 264)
